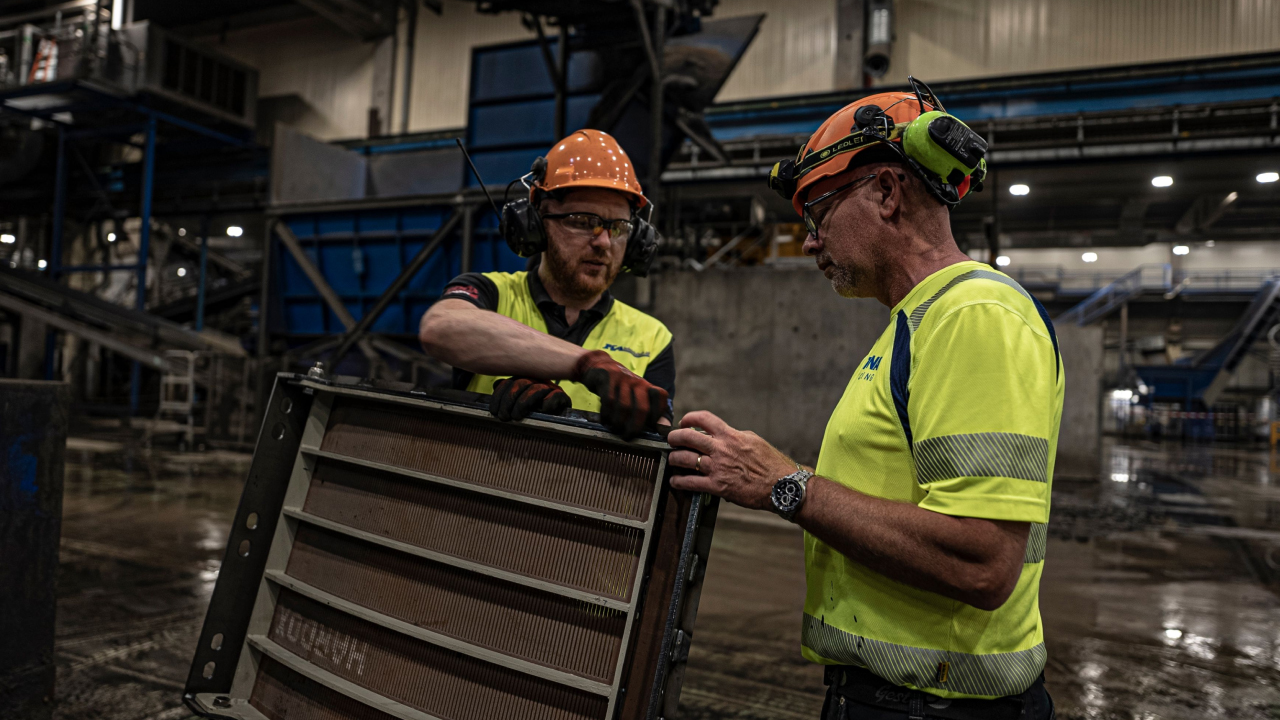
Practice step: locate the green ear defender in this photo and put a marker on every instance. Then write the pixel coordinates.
(946, 147)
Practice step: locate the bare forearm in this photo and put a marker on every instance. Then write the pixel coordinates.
(491, 344)
(971, 560)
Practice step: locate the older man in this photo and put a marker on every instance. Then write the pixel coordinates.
(925, 517)
(553, 336)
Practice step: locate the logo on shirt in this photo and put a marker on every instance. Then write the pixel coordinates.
(466, 290)
(868, 369)
(620, 348)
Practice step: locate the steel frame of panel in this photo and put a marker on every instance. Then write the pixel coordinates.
(219, 695)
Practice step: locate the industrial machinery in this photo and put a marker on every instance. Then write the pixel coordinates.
(399, 553)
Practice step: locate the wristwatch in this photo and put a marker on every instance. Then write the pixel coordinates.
(788, 493)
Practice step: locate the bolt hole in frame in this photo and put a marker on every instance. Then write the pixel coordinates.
(647, 665)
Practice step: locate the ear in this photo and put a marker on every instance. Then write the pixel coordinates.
(890, 192)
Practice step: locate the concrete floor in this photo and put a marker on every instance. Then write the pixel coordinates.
(1159, 595)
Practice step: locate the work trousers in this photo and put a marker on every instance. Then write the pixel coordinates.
(857, 694)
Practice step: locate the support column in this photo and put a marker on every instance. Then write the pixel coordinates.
(468, 236)
(1124, 340)
(410, 37)
(659, 28)
(851, 18)
(384, 73)
(562, 88)
(55, 250)
(204, 264)
(144, 248)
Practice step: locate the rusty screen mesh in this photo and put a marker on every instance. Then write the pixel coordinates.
(558, 632)
(569, 550)
(431, 679)
(568, 470)
(282, 694)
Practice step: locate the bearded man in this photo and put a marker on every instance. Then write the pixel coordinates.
(553, 336)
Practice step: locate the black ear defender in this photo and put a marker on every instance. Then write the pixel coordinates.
(642, 245)
(521, 226)
(519, 223)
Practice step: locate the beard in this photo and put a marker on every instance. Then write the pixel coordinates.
(844, 280)
(564, 271)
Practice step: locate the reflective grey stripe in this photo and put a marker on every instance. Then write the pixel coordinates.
(993, 675)
(989, 454)
(1036, 543)
(917, 315)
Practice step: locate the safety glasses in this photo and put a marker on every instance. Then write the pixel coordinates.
(591, 225)
(811, 223)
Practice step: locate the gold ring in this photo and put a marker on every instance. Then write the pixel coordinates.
(697, 466)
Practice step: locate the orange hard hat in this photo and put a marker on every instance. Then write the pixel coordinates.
(901, 107)
(589, 158)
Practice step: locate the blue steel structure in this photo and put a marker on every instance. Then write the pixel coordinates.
(511, 121)
(360, 252)
(1128, 88)
(511, 108)
(130, 116)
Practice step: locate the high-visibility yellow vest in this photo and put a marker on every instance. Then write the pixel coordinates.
(631, 337)
(955, 409)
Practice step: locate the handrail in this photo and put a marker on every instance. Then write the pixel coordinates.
(1114, 294)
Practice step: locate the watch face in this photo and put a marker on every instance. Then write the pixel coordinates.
(787, 494)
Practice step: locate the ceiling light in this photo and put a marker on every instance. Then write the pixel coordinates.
(42, 264)
(1019, 189)
(1162, 181)
(1003, 261)
(235, 231)
(182, 232)
(1172, 633)
(8, 239)
(1089, 257)
(182, 272)
(111, 237)
(1268, 177)
(1181, 249)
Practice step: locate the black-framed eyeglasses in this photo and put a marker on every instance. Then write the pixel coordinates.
(591, 224)
(810, 222)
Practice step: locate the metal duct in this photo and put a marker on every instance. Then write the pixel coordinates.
(426, 561)
(879, 37)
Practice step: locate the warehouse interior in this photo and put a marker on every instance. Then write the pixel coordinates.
(196, 197)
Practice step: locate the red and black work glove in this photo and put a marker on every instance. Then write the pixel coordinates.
(629, 405)
(516, 398)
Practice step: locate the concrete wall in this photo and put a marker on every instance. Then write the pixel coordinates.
(769, 351)
(312, 76)
(1078, 435)
(772, 351)
(951, 39)
(319, 78)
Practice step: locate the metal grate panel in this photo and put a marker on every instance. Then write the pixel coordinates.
(577, 552)
(431, 563)
(558, 632)
(425, 677)
(573, 471)
(282, 694)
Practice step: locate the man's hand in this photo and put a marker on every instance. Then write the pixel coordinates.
(628, 404)
(517, 398)
(740, 467)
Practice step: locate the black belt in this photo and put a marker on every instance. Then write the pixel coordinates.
(863, 686)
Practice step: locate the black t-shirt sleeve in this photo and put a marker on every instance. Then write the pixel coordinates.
(475, 288)
(662, 372)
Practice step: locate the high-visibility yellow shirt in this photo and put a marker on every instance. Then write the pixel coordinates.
(633, 338)
(955, 409)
